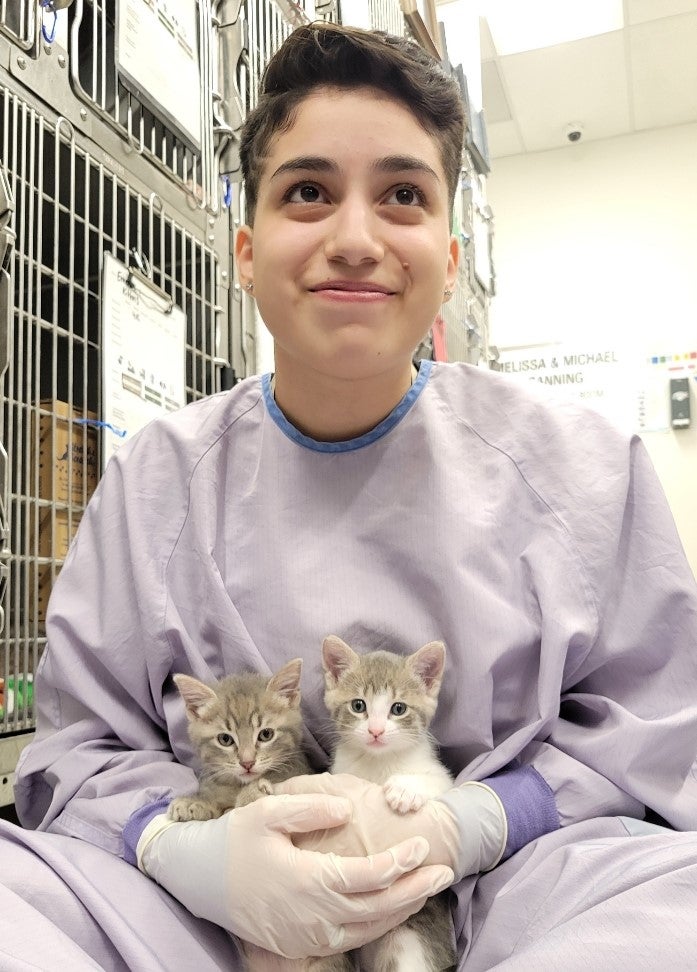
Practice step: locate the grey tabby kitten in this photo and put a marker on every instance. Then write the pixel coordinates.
(247, 732)
(381, 705)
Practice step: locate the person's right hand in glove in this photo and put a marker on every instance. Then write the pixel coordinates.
(243, 872)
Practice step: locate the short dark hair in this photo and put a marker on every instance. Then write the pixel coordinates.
(331, 55)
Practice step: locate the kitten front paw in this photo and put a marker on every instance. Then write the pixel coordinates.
(191, 808)
(253, 791)
(400, 795)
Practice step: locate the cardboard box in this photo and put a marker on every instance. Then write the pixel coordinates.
(68, 457)
(68, 472)
(55, 536)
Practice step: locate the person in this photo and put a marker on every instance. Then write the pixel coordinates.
(347, 494)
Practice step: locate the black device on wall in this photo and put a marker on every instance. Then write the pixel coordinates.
(680, 403)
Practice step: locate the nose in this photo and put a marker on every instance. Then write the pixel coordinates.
(376, 731)
(247, 764)
(353, 233)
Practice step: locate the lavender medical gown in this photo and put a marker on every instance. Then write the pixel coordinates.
(535, 542)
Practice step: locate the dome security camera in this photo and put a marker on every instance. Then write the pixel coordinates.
(574, 132)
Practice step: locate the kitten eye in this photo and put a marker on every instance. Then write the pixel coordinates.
(225, 739)
(357, 705)
(266, 735)
(398, 708)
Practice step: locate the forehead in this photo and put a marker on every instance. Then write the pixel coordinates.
(353, 127)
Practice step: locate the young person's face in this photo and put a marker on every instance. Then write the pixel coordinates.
(351, 249)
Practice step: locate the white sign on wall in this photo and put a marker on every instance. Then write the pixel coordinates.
(622, 385)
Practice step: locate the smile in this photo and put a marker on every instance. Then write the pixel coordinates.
(353, 296)
(349, 291)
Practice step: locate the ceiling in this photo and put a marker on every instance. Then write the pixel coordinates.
(641, 77)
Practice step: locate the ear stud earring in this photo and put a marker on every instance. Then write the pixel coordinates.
(447, 293)
(249, 287)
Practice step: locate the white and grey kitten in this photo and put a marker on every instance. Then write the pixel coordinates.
(382, 704)
(247, 732)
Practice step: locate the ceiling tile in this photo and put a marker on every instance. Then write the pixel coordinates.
(584, 81)
(503, 139)
(639, 11)
(663, 62)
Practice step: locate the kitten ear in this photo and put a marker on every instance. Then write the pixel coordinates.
(198, 697)
(428, 663)
(286, 682)
(337, 658)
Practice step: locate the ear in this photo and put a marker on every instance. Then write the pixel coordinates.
(286, 682)
(428, 664)
(337, 658)
(453, 263)
(198, 697)
(244, 255)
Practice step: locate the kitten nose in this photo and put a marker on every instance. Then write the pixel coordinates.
(247, 763)
(376, 733)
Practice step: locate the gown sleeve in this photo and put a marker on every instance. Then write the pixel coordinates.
(102, 747)
(624, 739)
(622, 735)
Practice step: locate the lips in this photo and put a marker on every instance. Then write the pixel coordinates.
(352, 286)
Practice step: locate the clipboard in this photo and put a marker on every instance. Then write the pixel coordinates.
(143, 354)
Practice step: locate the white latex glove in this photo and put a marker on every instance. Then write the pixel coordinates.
(465, 827)
(243, 872)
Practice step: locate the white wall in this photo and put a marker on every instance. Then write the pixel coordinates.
(596, 244)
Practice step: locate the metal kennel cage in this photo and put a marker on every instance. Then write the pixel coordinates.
(88, 170)
(68, 209)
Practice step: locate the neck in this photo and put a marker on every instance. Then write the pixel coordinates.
(331, 409)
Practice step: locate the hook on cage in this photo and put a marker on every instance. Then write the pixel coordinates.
(50, 6)
(61, 123)
(141, 273)
(141, 262)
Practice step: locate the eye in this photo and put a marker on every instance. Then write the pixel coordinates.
(266, 735)
(398, 708)
(357, 705)
(407, 196)
(225, 739)
(304, 192)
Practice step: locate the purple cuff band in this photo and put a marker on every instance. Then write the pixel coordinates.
(529, 804)
(136, 824)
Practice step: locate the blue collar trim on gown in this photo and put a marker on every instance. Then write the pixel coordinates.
(348, 445)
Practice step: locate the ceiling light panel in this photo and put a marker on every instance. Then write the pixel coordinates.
(529, 26)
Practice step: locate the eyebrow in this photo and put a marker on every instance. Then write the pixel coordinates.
(405, 163)
(391, 163)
